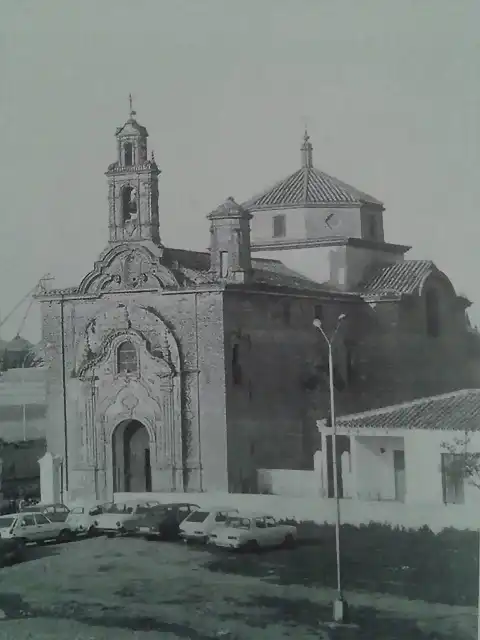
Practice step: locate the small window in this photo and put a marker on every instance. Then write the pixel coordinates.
(279, 226)
(41, 519)
(223, 264)
(220, 517)
(433, 313)
(260, 523)
(453, 478)
(128, 154)
(318, 312)
(270, 522)
(49, 510)
(77, 511)
(127, 361)
(236, 368)
(129, 203)
(29, 521)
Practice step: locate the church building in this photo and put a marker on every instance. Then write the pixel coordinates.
(177, 370)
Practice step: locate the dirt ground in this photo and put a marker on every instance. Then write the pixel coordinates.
(105, 589)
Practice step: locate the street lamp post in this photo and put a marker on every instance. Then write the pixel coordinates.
(339, 605)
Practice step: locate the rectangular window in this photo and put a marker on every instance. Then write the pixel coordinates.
(279, 226)
(223, 263)
(236, 368)
(453, 479)
(318, 312)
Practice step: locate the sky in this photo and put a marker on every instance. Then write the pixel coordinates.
(389, 90)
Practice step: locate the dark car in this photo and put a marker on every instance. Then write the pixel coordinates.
(11, 550)
(54, 512)
(161, 521)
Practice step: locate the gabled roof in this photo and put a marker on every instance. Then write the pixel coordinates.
(309, 186)
(458, 411)
(400, 278)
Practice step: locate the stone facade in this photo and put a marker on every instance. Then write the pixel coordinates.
(173, 370)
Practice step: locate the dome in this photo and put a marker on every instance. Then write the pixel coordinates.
(309, 187)
(18, 344)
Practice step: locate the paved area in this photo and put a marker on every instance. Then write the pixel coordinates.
(126, 588)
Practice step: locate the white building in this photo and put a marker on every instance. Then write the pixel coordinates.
(401, 453)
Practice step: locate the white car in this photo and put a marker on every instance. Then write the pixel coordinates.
(82, 516)
(200, 523)
(114, 515)
(253, 531)
(33, 527)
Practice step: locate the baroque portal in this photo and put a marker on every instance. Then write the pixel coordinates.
(128, 402)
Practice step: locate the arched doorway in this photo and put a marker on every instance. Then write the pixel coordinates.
(131, 457)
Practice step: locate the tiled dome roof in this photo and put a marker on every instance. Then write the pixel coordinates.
(309, 186)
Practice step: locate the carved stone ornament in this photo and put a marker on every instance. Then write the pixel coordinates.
(125, 268)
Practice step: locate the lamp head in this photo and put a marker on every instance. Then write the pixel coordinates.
(341, 317)
(317, 324)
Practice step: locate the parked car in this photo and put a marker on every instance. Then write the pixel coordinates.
(253, 531)
(200, 523)
(33, 527)
(115, 515)
(82, 516)
(161, 522)
(54, 512)
(11, 550)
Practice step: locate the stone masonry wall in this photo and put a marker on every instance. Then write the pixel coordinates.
(196, 321)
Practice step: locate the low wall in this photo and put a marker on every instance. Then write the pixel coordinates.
(321, 510)
(291, 483)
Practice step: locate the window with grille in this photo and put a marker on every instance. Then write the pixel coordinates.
(279, 226)
(453, 478)
(127, 359)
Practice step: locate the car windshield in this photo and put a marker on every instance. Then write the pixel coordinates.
(198, 516)
(143, 508)
(6, 522)
(238, 523)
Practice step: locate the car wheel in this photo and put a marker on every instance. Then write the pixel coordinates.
(289, 541)
(252, 546)
(64, 536)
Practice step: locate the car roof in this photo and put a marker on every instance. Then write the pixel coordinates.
(179, 504)
(214, 509)
(253, 514)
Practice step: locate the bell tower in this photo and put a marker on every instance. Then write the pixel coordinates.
(133, 187)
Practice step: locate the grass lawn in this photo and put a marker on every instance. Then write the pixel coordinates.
(104, 589)
(416, 565)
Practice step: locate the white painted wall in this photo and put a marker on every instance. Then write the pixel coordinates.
(288, 482)
(423, 451)
(375, 469)
(318, 510)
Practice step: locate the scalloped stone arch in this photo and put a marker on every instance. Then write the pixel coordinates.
(112, 339)
(434, 277)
